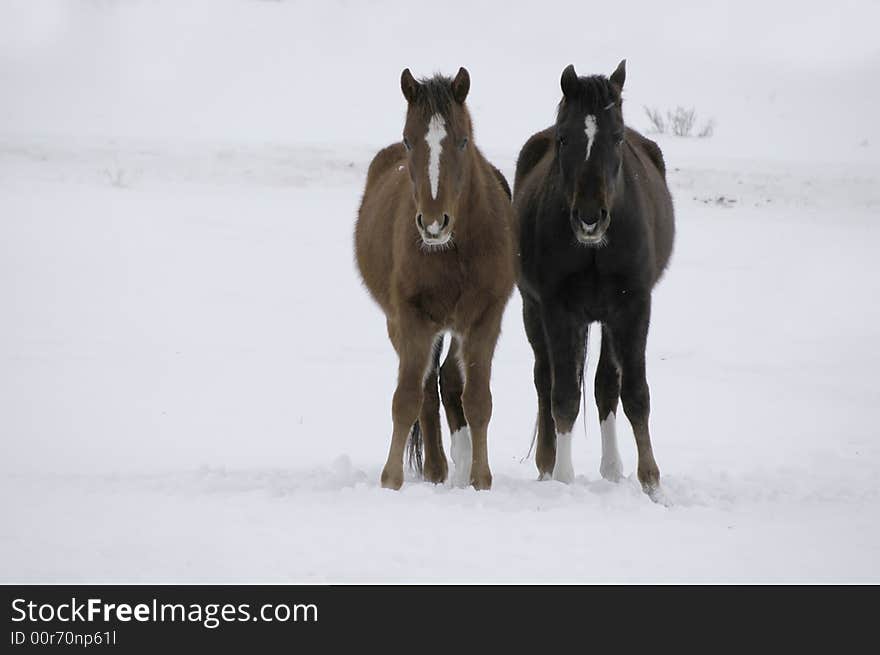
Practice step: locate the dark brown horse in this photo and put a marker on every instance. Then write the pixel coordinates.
(435, 246)
(595, 228)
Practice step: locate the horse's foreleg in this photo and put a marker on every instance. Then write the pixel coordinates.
(630, 338)
(414, 343)
(607, 392)
(566, 339)
(545, 451)
(477, 350)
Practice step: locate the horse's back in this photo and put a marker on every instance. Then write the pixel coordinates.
(501, 180)
(385, 161)
(650, 148)
(535, 149)
(657, 196)
(375, 221)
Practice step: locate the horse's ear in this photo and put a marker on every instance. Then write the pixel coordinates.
(409, 85)
(569, 82)
(461, 85)
(618, 77)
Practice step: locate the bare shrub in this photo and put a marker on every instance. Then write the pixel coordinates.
(707, 130)
(681, 121)
(656, 118)
(116, 177)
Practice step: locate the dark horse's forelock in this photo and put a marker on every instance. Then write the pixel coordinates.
(595, 93)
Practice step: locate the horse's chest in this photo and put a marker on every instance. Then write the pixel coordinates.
(594, 291)
(432, 289)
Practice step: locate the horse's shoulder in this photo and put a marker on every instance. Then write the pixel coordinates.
(649, 147)
(384, 160)
(532, 153)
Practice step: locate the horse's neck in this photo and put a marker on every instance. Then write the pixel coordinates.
(620, 185)
(472, 192)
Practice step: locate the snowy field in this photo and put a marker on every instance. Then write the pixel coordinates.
(195, 387)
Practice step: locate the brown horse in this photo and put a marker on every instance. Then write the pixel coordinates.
(435, 246)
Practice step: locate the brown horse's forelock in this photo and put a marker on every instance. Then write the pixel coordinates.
(435, 97)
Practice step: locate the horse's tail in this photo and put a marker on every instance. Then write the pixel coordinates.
(414, 449)
(584, 366)
(415, 445)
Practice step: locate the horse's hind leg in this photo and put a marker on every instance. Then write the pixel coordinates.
(414, 342)
(451, 388)
(607, 391)
(545, 452)
(435, 468)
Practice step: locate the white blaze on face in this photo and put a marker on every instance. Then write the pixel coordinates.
(590, 130)
(436, 134)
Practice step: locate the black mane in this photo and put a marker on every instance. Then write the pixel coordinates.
(596, 93)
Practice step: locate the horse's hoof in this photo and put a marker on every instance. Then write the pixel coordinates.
(649, 476)
(611, 471)
(545, 461)
(461, 479)
(657, 495)
(482, 482)
(462, 457)
(392, 480)
(564, 474)
(436, 473)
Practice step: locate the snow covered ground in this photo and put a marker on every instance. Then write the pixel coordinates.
(195, 387)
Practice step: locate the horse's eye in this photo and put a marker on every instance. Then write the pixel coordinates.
(618, 139)
(463, 144)
(406, 144)
(561, 141)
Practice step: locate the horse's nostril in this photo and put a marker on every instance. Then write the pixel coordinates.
(445, 221)
(603, 213)
(419, 221)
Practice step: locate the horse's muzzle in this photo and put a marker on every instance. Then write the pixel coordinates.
(437, 232)
(590, 230)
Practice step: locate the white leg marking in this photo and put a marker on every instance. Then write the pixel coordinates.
(563, 470)
(462, 457)
(590, 130)
(610, 468)
(436, 134)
